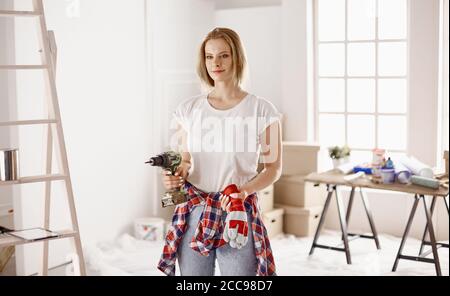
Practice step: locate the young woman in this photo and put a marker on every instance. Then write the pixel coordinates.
(225, 133)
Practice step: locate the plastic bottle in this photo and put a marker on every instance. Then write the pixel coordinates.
(389, 163)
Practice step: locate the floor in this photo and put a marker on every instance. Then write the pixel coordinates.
(128, 256)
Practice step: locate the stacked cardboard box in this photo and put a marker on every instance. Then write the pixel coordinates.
(272, 218)
(301, 201)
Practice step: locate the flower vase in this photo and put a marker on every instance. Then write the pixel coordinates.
(339, 161)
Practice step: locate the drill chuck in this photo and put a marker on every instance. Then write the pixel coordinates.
(167, 160)
(157, 161)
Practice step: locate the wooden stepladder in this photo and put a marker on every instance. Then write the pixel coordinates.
(54, 132)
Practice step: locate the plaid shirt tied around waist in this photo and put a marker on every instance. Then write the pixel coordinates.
(208, 235)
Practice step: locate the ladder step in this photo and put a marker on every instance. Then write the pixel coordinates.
(35, 179)
(43, 178)
(28, 122)
(23, 67)
(9, 240)
(14, 13)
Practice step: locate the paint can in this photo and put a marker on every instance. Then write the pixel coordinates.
(9, 164)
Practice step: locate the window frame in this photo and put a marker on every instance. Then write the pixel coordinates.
(345, 77)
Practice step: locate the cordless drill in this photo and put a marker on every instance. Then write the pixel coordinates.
(169, 161)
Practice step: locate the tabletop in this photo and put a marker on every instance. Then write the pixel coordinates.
(337, 178)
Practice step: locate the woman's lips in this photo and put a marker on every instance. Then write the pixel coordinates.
(218, 71)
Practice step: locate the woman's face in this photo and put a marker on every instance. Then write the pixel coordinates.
(219, 61)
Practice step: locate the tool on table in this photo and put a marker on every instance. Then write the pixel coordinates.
(354, 176)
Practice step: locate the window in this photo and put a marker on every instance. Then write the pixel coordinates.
(361, 75)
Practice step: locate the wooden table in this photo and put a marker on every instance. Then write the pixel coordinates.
(334, 178)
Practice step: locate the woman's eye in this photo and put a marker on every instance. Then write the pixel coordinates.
(209, 57)
(225, 56)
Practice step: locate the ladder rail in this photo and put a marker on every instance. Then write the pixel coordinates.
(48, 166)
(54, 131)
(54, 108)
(48, 190)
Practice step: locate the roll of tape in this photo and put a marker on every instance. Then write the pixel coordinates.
(424, 181)
(402, 174)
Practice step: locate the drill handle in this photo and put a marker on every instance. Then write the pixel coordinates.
(172, 170)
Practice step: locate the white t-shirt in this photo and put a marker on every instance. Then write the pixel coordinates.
(224, 144)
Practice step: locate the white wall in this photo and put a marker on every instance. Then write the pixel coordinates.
(122, 69)
(176, 30)
(275, 34)
(262, 42)
(390, 212)
(424, 78)
(297, 96)
(101, 80)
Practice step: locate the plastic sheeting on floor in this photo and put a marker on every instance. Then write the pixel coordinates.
(129, 256)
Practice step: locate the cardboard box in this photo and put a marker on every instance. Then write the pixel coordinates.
(273, 221)
(300, 221)
(294, 191)
(300, 158)
(266, 199)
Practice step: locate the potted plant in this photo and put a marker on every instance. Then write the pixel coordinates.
(339, 155)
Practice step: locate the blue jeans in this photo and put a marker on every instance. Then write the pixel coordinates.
(232, 262)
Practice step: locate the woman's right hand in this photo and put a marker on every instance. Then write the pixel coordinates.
(175, 181)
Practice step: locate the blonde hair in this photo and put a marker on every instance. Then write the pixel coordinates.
(237, 53)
